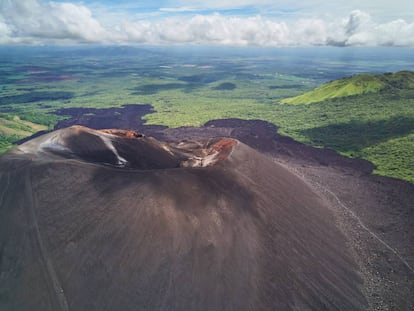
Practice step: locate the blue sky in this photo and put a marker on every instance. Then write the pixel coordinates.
(214, 22)
(382, 9)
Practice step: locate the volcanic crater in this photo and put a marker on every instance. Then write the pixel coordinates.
(115, 220)
(227, 216)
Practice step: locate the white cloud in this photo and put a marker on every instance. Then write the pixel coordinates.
(36, 22)
(310, 32)
(30, 20)
(4, 32)
(358, 29)
(398, 33)
(382, 9)
(210, 29)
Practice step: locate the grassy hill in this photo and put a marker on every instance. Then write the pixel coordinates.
(13, 128)
(356, 85)
(369, 116)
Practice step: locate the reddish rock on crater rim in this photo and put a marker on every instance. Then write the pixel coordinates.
(123, 133)
(223, 148)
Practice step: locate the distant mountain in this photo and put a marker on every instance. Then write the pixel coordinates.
(356, 85)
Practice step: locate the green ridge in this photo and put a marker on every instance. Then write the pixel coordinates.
(356, 85)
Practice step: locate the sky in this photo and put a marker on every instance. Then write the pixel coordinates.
(272, 23)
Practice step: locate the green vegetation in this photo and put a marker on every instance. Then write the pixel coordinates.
(149, 89)
(34, 97)
(352, 137)
(356, 85)
(393, 157)
(368, 116)
(356, 126)
(225, 86)
(13, 128)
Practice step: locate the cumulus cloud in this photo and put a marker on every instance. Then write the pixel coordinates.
(360, 29)
(32, 21)
(36, 22)
(398, 33)
(4, 33)
(211, 29)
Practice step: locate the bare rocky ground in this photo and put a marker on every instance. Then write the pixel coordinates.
(114, 220)
(376, 214)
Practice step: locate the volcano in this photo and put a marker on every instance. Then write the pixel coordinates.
(115, 220)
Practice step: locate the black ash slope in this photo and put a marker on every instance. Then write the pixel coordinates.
(94, 220)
